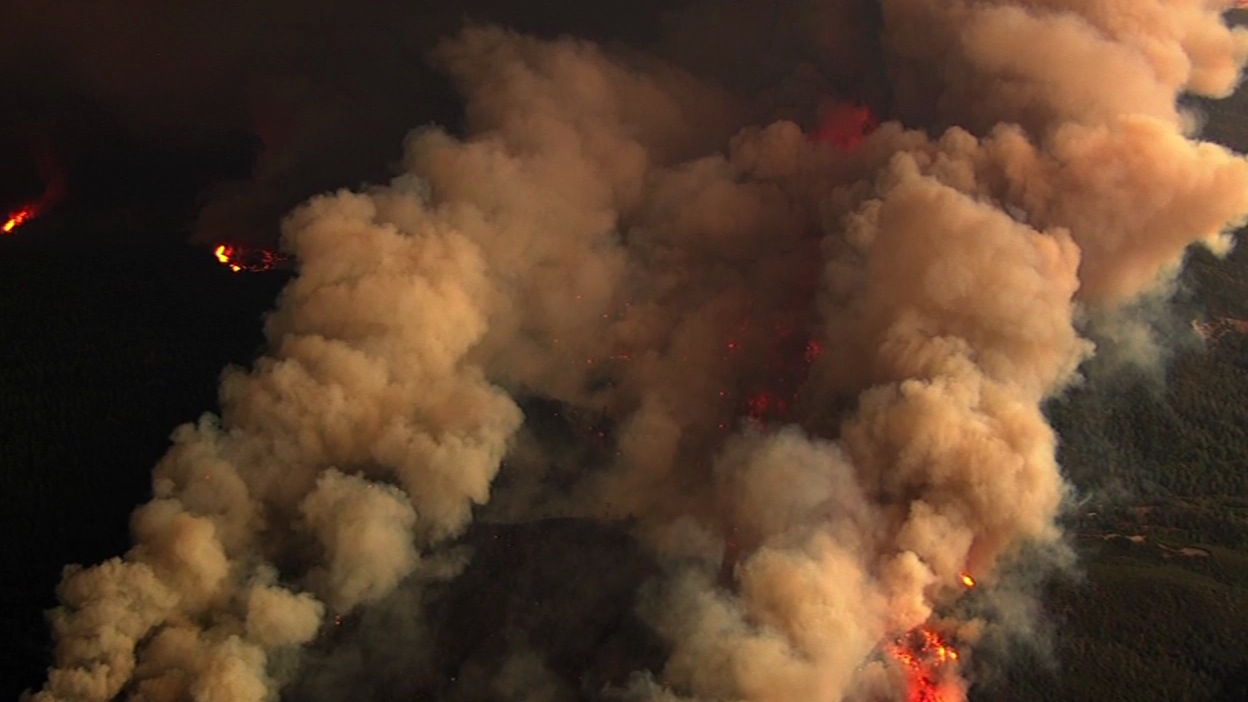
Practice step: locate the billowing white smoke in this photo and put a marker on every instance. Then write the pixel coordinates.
(820, 368)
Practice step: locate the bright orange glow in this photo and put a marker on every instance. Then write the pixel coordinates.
(223, 254)
(253, 260)
(925, 657)
(17, 219)
(967, 580)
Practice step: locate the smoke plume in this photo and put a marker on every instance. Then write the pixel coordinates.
(797, 370)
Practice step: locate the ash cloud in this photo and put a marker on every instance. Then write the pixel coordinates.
(801, 380)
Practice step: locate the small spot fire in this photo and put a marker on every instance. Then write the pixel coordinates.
(18, 218)
(55, 182)
(252, 260)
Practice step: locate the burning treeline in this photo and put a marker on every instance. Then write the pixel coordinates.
(814, 360)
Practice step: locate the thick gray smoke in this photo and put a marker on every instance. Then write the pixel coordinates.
(804, 374)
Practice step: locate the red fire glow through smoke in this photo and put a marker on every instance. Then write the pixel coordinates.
(787, 363)
(845, 125)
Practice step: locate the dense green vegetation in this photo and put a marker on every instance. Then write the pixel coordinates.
(1146, 624)
(1157, 608)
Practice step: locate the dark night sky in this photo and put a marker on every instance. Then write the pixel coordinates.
(116, 322)
(210, 120)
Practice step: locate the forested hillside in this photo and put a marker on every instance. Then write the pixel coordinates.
(1157, 606)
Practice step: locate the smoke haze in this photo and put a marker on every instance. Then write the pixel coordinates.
(747, 381)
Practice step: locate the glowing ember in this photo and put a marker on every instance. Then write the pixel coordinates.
(764, 404)
(17, 219)
(240, 259)
(926, 659)
(967, 580)
(814, 349)
(784, 356)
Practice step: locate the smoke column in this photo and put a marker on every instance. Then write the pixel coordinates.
(813, 367)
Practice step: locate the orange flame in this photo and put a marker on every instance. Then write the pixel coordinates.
(925, 657)
(967, 580)
(223, 254)
(17, 219)
(239, 259)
